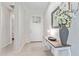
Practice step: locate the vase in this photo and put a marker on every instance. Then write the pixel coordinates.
(63, 33)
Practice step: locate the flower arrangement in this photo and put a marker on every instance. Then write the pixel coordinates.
(64, 17)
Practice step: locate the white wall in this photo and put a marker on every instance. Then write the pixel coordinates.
(47, 17)
(27, 24)
(74, 33)
(0, 23)
(21, 25)
(4, 26)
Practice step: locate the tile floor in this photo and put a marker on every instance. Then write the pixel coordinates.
(30, 49)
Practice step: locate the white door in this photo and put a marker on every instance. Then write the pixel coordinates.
(36, 28)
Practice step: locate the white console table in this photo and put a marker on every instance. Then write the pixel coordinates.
(56, 47)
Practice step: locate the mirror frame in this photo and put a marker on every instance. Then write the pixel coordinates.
(52, 15)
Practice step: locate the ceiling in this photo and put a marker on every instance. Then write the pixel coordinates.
(37, 6)
(32, 6)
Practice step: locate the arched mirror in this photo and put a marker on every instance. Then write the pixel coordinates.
(54, 21)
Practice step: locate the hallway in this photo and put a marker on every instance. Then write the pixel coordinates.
(23, 29)
(31, 22)
(29, 49)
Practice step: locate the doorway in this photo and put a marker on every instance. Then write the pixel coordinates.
(36, 28)
(12, 18)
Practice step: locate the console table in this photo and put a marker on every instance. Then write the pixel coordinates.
(56, 47)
